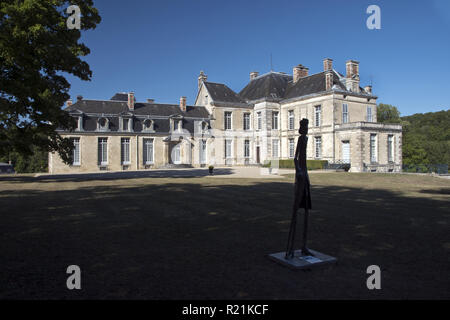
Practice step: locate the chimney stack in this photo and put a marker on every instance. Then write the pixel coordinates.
(299, 71)
(79, 98)
(183, 104)
(352, 68)
(131, 101)
(352, 75)
(368, 89)
(327, 64)
(69, 102)
(201, 78)
(328, 80)
(253, 75)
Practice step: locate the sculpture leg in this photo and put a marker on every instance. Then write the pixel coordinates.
(291, 237)
(305, 251)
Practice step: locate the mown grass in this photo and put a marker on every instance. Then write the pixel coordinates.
(208, 238)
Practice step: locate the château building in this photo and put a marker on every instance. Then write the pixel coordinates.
(226, 128)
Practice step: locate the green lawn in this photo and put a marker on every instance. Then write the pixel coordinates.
(208, 238)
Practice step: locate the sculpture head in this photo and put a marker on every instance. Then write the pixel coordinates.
(303, 126)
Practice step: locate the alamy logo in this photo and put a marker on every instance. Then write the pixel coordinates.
(374, 20)
(374, 281)
(74, 20)
(74, 280)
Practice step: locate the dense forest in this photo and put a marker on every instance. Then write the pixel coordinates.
(426, 142)
(426, 137)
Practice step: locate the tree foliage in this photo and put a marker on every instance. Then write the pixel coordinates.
(37, 161)
(387, 113)
(426, 137)
(36, 50)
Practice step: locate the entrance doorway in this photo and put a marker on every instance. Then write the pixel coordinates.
(176, 154)
(346, 151)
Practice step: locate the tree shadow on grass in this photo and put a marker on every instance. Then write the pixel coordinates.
(188, 173)
(211, 241)
(436, 191)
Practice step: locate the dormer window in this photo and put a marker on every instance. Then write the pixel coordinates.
(148, 125)
(204, 126)
(177, 125)
(103, 124)
(79, 123)
(125, 124)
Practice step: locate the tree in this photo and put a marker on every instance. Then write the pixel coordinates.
(426, 138)
(36, 49)
(36, 162)
(387, 113)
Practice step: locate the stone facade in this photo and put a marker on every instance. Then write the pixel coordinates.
(226, 128)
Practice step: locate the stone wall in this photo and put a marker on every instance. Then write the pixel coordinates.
(190, 153)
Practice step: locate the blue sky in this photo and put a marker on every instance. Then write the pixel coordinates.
(157, 48)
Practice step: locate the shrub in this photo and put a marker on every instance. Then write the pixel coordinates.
(289, 164)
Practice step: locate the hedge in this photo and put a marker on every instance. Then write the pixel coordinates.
(289, 164)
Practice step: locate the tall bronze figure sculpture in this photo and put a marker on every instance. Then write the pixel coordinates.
(303, 258)
(302, 192)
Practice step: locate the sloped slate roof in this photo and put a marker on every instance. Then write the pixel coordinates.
(117, 107)
(120, 97)
(169, 109)
(270, 85)
(220, 92)
(309, 85)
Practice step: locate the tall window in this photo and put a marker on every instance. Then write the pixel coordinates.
(227, 148)
(318, 147)
(291, 119)
(344, 113)
(247, 149)
(259, 120)
(148, 151)
(246, 121)
(390, 148)
(125, 150)
(227, 120)
(76, 151)
(291, 148)
(318, 116)
(275, 120)
(369, 114)
(373, 148)
(103, 151)
(275, 148)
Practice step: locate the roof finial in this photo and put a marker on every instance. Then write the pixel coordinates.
(271, 66)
